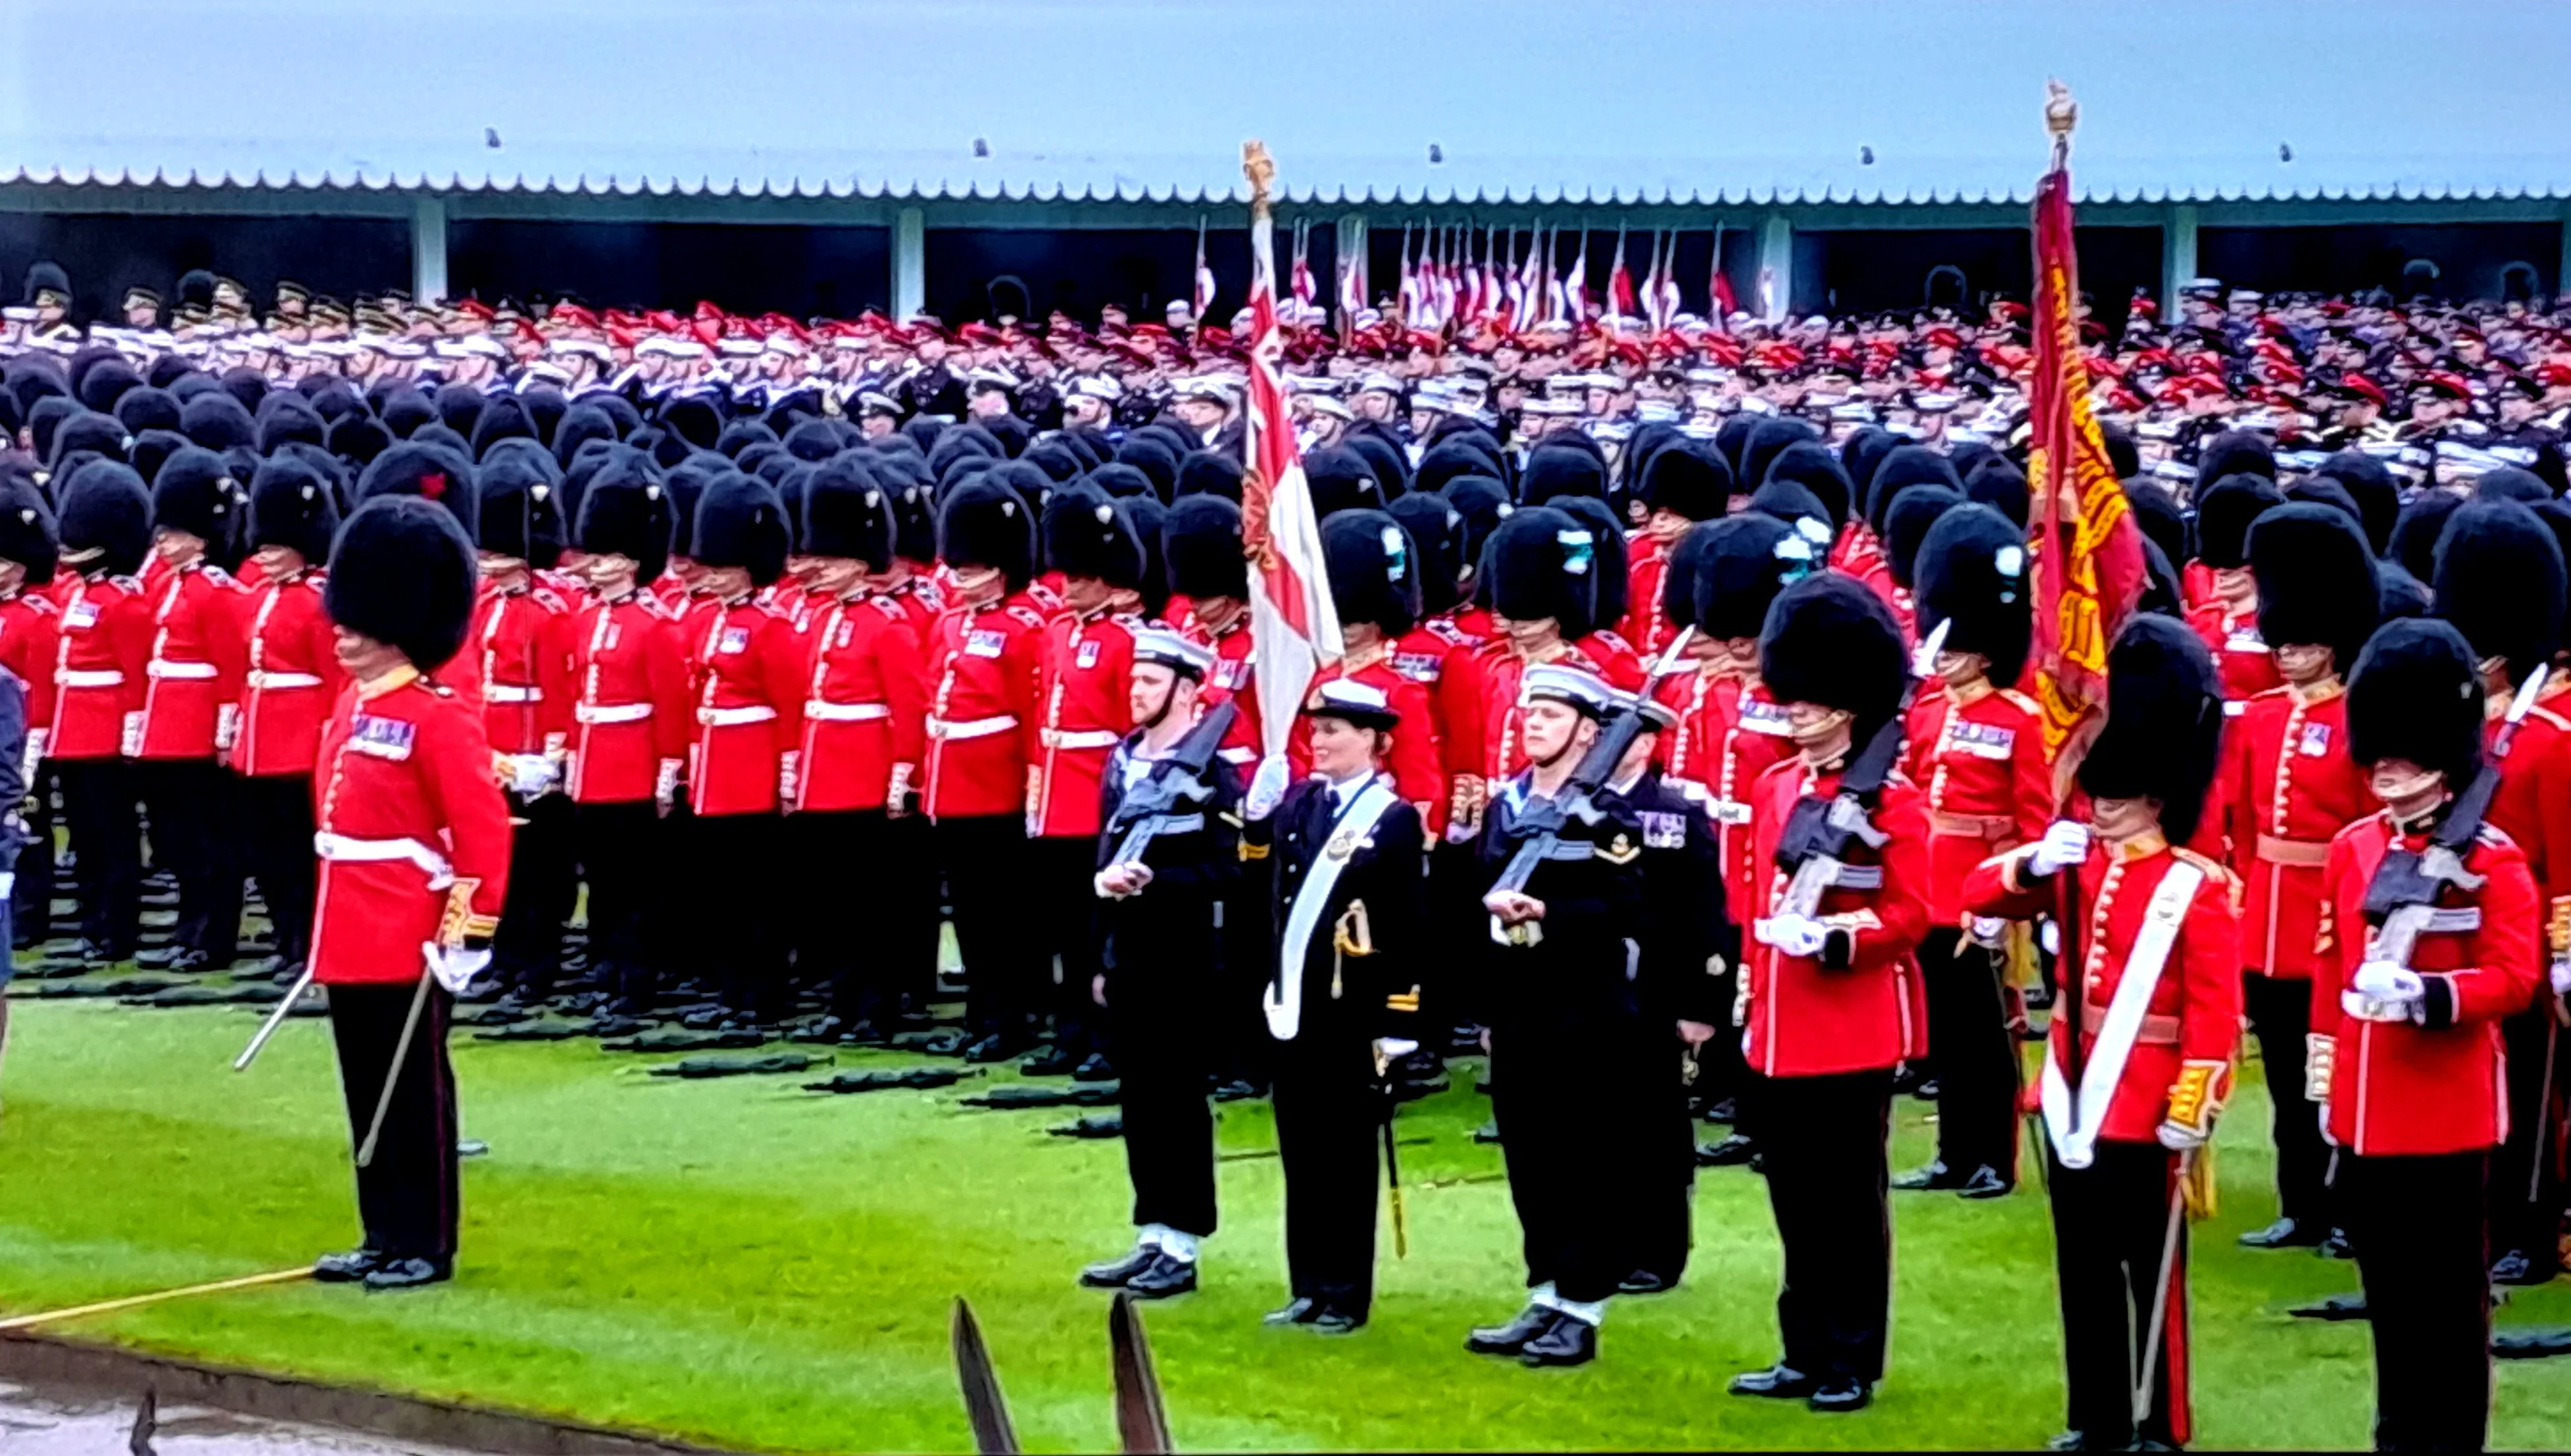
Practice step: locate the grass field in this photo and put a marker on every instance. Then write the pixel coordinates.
(753, 1268)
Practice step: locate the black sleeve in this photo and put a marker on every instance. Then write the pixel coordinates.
(1111, 798)
(1396, 909)
(1683, 925)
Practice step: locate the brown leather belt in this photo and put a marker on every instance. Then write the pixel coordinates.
(1990, 828)
(2158, 1030)
(2309, 852)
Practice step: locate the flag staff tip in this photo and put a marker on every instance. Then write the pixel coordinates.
(2061, 115)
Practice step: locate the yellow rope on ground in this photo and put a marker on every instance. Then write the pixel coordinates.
(133, 1302)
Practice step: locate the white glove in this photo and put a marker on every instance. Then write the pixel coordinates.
(2389, 982)
(2063, 845)
(1267, 787)
(1989, 930)
(1393, 1048)
(454, 966)
(227, 725)
(131, 739)
(2322, 1108)
(36, 740)
(2562, 978)
(530, 774)
(1795, 935)
(789, 774)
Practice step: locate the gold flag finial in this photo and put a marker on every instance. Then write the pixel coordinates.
(2061, 113)
(1260, 167)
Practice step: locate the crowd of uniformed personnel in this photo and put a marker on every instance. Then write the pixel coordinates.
(772, 681)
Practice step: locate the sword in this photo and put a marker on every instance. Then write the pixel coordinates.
(1392, 1158)
(1141, 1420)
(276, 1018)
(2161, 1290)
(393, 1075)
(984, 1406)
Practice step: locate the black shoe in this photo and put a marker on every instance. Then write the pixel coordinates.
(1777, 1382)
(990, 1048)
(2336, 1306)
(1935, 1177)
(1166, 1274)
(1841, 1394)
(1488, 1132)
(2515, 1268)
(1232, 1089)
(2531, 1344)
(1645, 1281)
(1113, 1274)
(408, 1274)
(1051, 1062)
(1929, 1089)
(704, 1018)
(1723, 1112)
(608, 1026)
(1985, 1183)
(159, 958)
(2285, 1233)
(1510, 1338)
(1094, 1068)
(1732, 1152)
(1335, 1319)
(1300, 1311)
(2068, 1441)
(345, 1268)
(2336, 1245)
(1569, 1340)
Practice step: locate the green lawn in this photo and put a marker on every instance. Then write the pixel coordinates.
(747, 1266)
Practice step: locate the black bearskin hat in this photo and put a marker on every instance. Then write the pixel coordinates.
(2500, 580)
(1543, 563)
(2415, 533)
(521, 507)
(1907, 524)
(1342, 480)
(2370, 483)
(1686, 480)
(626, 511)
(195, 492)
(413, 468)
(1211, 472)
(2417, 693)
(1610, 592)
(218, 421)
(1373, 570)
(1201, 546)
(86, 430)
(292, 505)
(403, 574)
(2234, 452)
(1829, 640)
(1771, 436)
(106, 522)
(1145, 516)
(1810, 464)
(2164, 733)
(1437, 529)
(1678, 580)
(849, 515)
(1972, 576)
(741, 521)
(1748, 559)
(1907, 467)
(983, 523)
(2162, 522)
(27, 534)
(1085, 536)
(1562, 469)
(2317, 581)
(2224, 512)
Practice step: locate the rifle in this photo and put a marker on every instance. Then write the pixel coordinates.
(2403, 896)
(1145, 811)
(1542, 824)
(1821, 833)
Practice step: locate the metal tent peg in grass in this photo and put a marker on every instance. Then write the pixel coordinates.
(1141, 1420)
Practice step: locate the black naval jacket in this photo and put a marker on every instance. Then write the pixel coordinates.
(1582, 964)
(1176, 924)
(1684, 929)
(1375, 905)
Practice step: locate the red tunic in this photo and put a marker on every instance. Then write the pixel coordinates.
(1498, 673)
(632, 715)
(2194, 1011)
(98, 668)
(2402, 1089)
(293, 678)
(30, 630)
(1616, 660)
(2249, 667)
(1233, 678)
(2533, 805)
(1417, 774)
(1750, 737)
(2292, 788)
(519, 639)
(198, 659)
(1647, 567)
(982, 667)
(867, 712)
(746, 671)
(1807, 1021)
(1084, 679)
(413, 833)
(1989, 787)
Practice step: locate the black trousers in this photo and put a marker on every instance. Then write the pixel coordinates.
(2418, 1226)
(984, 857)
(276, 846)
(32, 902)
(841, 854)
(1066, 935)
(1161, 1065)
(2110, 1221)
(1579, 1104)
(1330, 1111)
(906, 948)
(2526, 1172)
(1823, 1139)
(527, 952)
(107, 835)
(192, 819)
(407, 1197)
(1664, 1229)
(623, 848)
(1977, 1059)
(739, 914)
(2280, 1013)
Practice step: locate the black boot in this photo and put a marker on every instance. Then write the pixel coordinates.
(1512, 1337)
(1569, 1340)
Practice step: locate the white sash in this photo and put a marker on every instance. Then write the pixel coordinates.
(1283, 998)
(2106, 1066)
